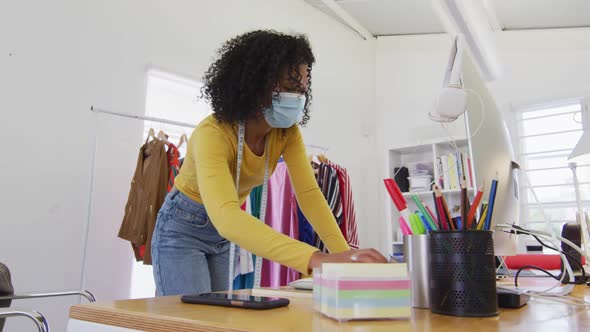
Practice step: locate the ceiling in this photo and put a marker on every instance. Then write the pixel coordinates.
(540, 14)
(406, 17)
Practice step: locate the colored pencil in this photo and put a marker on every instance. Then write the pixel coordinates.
(398, 198)
(416, 224)
(482, 218)
(448, 213)
(473, 209)
(437, 209)
(444, 221)
(424, 212)
(395, 194)
(464, 203)
(429, 210)
(427, 224)
(444, 209)
(493, 189)
(484, 204)
(404, 226)
(440, 209)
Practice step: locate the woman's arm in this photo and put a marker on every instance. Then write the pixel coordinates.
(218, 191)
(309, 196)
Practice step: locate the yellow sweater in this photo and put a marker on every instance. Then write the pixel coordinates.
(208, 177)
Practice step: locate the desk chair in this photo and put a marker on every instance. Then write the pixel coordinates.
(7, 295)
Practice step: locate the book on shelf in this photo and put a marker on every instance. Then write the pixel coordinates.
(453, 171)
(446, 175)
(453, 167)
(439, 172)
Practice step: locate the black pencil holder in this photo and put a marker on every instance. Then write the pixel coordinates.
(463, 274)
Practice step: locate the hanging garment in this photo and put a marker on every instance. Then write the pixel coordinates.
(245, 277)
(279, 217)
(330, 187)
(348, 225)
(147, 193)
(245, 281)
(173, 157)
(306, 231)
(295, 217)
(328, 183)
(327, 178)
(255, 203)
(245, 259)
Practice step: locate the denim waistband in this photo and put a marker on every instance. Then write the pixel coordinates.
(176, 197)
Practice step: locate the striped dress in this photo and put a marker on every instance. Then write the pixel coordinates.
(334, 183)
(330, 187)
(348, 225)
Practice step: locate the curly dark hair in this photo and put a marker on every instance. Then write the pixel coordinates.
(240, 82)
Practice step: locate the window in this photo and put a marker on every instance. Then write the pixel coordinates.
(174, 98)
(546, 135)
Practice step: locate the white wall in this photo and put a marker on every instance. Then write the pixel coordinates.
(543, 65)
(45, 167)
(409, 75)
(60, 57)
(539, 65)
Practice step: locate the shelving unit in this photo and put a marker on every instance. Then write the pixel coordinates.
(427, 154)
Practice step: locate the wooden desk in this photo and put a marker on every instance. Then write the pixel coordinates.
(168, 314)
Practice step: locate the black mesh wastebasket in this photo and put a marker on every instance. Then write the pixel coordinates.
(463, 274)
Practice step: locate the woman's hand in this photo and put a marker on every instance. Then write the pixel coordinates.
(350, 256)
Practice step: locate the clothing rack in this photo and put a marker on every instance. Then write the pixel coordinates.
(86, 226)
(183, 124)
(142, 117)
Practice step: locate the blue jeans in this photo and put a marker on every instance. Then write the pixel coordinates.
(188, 254)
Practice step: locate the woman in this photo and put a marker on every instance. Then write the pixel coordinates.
(259, 91)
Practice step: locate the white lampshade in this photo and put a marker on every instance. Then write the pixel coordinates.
(581, 153)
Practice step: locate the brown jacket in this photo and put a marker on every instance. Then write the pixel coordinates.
(147, 193)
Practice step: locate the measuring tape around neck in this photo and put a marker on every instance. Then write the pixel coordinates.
(232, 249)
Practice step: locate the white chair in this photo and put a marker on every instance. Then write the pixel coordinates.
(7, 295)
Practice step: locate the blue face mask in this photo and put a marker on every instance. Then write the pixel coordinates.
(286, 110)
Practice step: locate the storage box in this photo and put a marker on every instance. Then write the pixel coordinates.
(420, 168)
(363, 291)
(420, 183)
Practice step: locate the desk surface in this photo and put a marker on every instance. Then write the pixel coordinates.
(168, 314)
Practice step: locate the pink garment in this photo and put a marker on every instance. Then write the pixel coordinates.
(280, 216)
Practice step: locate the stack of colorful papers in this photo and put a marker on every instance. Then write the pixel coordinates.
(362, 291)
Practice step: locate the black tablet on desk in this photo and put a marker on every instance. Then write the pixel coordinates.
(235, 300)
